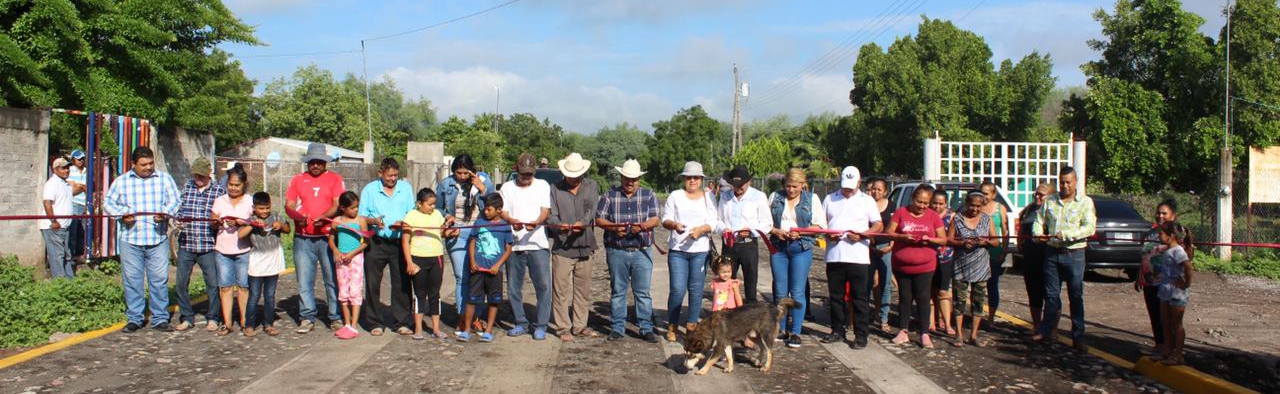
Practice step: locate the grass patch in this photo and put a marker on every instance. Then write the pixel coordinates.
(32, 310)
(1257, 263)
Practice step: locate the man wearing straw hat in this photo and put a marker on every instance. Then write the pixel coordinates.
(573, 203)
(195, 244)
(628, 213)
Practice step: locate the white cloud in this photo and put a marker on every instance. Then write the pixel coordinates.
(699, 58)
(262, 6)
(649, 11)
(798, 98)
(580, 108)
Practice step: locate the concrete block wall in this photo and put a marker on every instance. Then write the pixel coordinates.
(25, 165)
(176, 147)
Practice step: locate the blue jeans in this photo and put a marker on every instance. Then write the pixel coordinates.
(233, 270)
(882, 265)
(688, 275)
(1060, 266)
(145, 266)
(634, 269)
(461, 267)
(308, 254)
(790, 267)
(538, 264)
(58, 254)
(265, 287)
(209, 268)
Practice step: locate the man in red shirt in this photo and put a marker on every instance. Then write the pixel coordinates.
(313, 195)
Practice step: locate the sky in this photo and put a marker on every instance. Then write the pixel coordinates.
(589, 64)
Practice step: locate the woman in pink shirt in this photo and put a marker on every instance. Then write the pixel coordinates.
(231, 211)
(915, 258)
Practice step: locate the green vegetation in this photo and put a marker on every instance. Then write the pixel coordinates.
(1262, 263)
(32, 310)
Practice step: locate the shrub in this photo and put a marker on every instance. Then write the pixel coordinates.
(1259, 263)
(33, 309)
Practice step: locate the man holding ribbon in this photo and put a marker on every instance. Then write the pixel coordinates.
(144, 199)
(744, 217)
(628, 213)
(313, 195)
(849, 256)
(528, 205)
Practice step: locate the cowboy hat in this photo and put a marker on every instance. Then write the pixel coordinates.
(316, 151)
(574, 165)
(630, 169)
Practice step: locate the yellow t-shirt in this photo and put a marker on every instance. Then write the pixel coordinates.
(425, 243)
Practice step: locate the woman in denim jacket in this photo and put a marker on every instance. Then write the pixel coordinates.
(461, 195)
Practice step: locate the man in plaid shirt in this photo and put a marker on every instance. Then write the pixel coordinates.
(195, 243)
(145, 199)
(627, 248)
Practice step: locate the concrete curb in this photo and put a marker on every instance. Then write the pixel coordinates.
(84, 337)
(1182, 378)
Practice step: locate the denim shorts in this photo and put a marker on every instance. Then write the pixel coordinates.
(233, 270)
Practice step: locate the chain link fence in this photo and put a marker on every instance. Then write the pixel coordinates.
(1251, 223)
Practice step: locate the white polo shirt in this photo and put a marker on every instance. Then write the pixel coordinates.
(855, 213)
(59, 191)
(525, 204)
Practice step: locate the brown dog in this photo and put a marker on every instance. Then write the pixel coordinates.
(719, 331)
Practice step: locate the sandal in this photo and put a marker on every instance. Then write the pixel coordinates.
(271, 331)
(440, 335)
(377, 332)
(587, 332)
(222, 331)
(417, 336)
(977, 343)
(957, 344)
(249, 332)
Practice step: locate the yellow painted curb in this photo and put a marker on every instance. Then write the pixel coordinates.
(83, 337)
(1182, 378)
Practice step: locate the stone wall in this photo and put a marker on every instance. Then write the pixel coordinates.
(25, 167)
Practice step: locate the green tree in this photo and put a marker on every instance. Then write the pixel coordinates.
(765, 156)
(1124, 119)
(482, 143)
(1157, 45)
(152, 59)
(611, 146)
(523, 132)
(688, 136)
(405, 119)
(312, 106)
(941, 80)
(1255, 74)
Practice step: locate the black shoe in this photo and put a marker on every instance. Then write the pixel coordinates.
(782, 336)
(860, 342)
(793, 341)
(649, 337)
(162, 327)
(833, 337)
(614, 336)
(131, 327)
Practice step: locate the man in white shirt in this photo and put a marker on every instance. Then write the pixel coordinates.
(528, 205)
(744, 213)
(57, 201)
(848, 255)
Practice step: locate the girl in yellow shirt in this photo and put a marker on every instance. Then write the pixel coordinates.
(423, 236)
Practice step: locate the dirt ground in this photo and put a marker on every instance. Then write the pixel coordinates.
(198, 361)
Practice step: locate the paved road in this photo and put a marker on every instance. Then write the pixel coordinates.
(198, 361)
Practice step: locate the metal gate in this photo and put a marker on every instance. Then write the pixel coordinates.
(1016, 167)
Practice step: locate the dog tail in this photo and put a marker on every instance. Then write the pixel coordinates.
(787, 304)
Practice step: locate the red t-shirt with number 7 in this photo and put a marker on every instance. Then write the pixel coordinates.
(315, 195)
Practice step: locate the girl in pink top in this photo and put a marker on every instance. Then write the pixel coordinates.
(232, 243)
(724, 289)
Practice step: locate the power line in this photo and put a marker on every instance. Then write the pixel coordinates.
(443, 23)
(838, 50)
(971, 10)
(835, 61)
(1263, 105)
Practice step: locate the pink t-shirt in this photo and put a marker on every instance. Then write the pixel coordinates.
(915, 259)
(722, 295)
(314, 195)
(228, 242)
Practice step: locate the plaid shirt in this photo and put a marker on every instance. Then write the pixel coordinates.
(1075, 220)
(131, 194)
(615, 207)
(197, 237)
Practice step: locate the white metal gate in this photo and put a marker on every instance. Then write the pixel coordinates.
(1017, 167)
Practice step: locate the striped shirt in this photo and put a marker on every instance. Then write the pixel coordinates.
(616, 207)
(131, 194)
(197, 237)
(1075, 220)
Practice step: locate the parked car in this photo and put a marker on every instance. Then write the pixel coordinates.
(1117, 243)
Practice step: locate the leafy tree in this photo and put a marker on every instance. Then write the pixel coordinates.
(313, 106)
(405, 119)
(1255, 74)
(1157, 45)
(479, 140)
(611, 146)
(523, 132)
(152, 59)
(765, 156)
(1124, 119)
(941, 80)
(688, 136)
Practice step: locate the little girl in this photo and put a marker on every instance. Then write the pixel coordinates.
(1174, 281)
(424, 252)
(726, 292)
(348, 246)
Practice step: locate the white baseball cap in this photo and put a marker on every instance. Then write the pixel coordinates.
(850, 177)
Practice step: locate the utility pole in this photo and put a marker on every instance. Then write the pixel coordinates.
(737, 113)
(1225, 215)
(368, 107)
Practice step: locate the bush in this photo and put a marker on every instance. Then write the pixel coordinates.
(33, 309)
(1259, 263)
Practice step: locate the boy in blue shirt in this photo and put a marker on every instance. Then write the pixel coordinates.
(488, 248)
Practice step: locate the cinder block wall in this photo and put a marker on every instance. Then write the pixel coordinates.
(23, 156)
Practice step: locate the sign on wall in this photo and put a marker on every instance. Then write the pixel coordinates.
(1264, 175)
